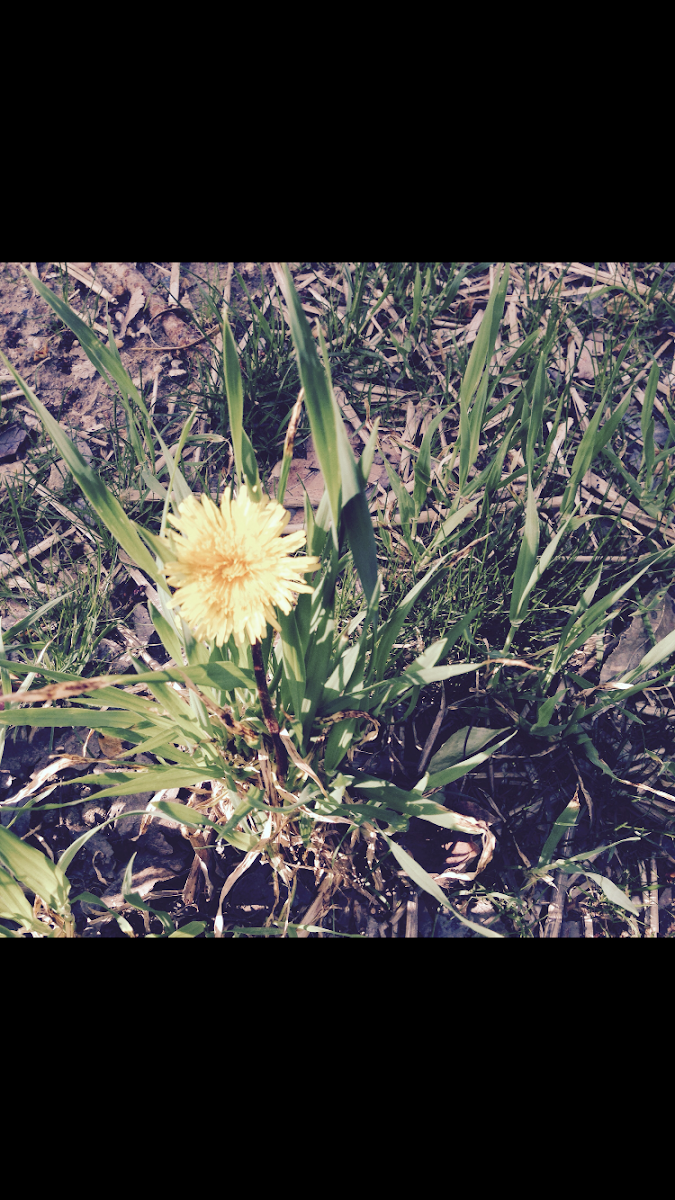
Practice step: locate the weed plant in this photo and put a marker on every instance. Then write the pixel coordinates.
(536, 460)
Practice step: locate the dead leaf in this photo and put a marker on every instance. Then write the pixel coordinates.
(11, 439)
(8, 470)
(110, 746)
(634, 643)
(619, 305)
(142, 882)
(302, 476)
(81, 367)
(591, 351)
(136, 303)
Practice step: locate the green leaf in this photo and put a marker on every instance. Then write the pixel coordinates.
(470, 422)
(70, 718)
(249, 467)
(536, 412)
(658, 653)
(545, 712)
(527, 557)
(460, 744)
(406, 505)
(359, 528)
(293, 659)
(611, 891)
(368, 453)
(154, 779)
(235, 395)
(167, 632)
(339, 740)
(450, 774)
(191, 930)
(423, 465)
(567, 820)
(32, 868)
(393, 626)
(189, 816)
(14, 905)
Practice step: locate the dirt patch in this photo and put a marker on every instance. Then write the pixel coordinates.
(49, 358)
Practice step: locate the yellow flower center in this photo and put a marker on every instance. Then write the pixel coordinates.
(231, 566)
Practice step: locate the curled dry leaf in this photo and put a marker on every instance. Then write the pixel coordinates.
(588, 365)
(123, 277)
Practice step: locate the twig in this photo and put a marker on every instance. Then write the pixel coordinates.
(429, 744)
(9, 568)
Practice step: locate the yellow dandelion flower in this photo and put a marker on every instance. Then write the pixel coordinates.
(231, 566)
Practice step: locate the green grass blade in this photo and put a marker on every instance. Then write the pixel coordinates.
(526, 559)
(393, 626)
(319, 400)
(536, 412)
(235, 395)
(15, 907)
(647, 427)
(423, 465)
(417, 298)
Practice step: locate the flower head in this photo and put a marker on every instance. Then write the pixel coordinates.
(231, 567)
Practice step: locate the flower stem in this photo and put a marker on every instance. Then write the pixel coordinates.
(268, 711)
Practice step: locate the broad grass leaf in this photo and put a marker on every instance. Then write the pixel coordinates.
(191, 930)
(613, 893)
(339, 740)
(14, 905)
(567, 820)
(462, 743)
(368, 454)
(293, 659)
(33, 869)
(406, 505)
(71, 718)
(450, 774)
(359, 528)
(658, 653)
(610, 890)
(586, 620)
(184, 815)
